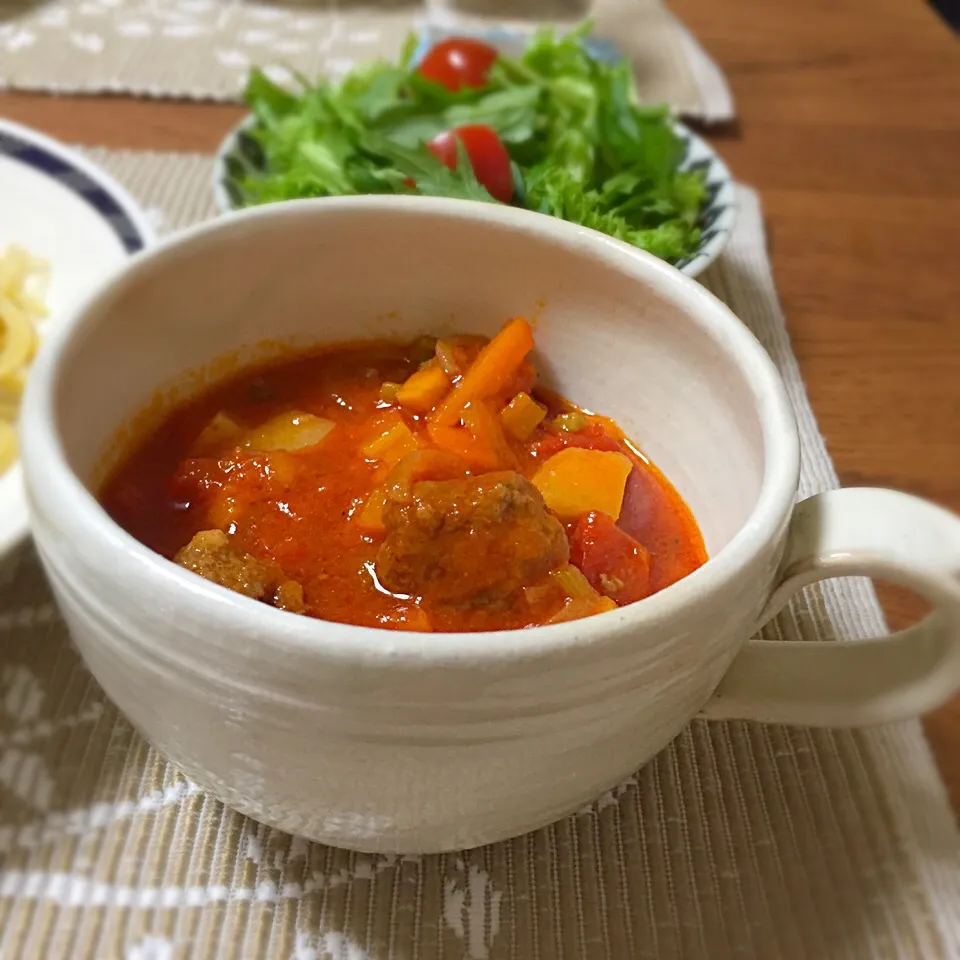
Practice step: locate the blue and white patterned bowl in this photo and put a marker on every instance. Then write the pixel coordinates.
(719, 214)
(717, 218)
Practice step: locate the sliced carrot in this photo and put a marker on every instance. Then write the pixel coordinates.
(496, 363)
(461, 443)
(484, 426)
(392, 440)
(422, 465)
(576, 481)
(423, 390)
(480, 441)
(370, 517)
(521, 416)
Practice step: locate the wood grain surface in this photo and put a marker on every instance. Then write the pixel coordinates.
(849, 124)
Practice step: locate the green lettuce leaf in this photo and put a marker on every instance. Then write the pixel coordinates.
(581, 145)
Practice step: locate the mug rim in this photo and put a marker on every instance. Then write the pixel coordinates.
(45, 463)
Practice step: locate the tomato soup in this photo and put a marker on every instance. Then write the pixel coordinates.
(426, 486)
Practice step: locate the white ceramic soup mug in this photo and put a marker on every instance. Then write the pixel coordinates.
(387, 741)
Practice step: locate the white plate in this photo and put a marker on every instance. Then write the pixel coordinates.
(64, 209)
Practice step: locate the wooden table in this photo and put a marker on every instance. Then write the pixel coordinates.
(850, 126)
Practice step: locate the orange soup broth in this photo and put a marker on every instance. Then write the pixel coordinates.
(300, 508)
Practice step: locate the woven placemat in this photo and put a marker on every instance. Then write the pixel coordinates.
(204, 48)
(738, 841)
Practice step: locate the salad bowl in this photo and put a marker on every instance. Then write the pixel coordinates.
(717, 219)
(533, 113)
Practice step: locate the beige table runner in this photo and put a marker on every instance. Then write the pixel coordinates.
(204, 48)
(738, 841)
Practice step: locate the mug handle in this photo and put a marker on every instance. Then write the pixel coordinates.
(856, 532)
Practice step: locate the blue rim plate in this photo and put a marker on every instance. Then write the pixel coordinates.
(63, 209)
(716, 221)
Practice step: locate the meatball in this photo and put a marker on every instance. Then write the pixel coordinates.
(478, 540)
(211, 555)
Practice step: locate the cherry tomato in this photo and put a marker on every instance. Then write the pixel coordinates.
(615, 564)
(488, 157)
(458, 62)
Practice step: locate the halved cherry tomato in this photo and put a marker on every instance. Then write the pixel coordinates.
(488, 156)
(615, 564)
(458, 62)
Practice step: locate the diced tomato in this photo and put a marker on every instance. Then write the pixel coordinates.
(229, 485)
(196, 479)
(488, 156)
(616, 565)
(129, 499)
(458, 62)
(592, 437)
(644, 506)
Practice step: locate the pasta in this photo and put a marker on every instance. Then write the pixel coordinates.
(23, 287)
